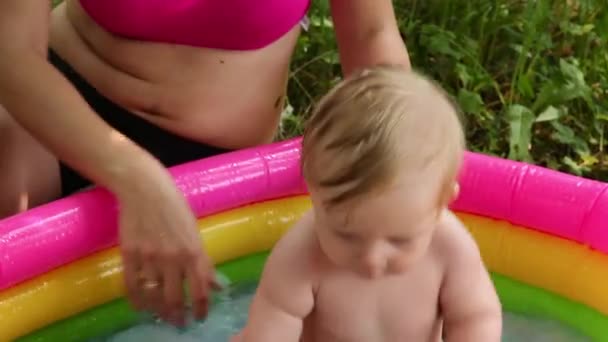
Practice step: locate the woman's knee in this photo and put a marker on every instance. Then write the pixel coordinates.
(29, 174)
(11, 180)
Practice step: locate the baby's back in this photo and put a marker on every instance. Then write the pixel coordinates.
(402, 307)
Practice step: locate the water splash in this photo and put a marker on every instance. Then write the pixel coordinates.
(230, 314)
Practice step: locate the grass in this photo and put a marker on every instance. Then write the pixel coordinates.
(530, 76)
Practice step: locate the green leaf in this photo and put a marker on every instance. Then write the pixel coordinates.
(577, 30)
(549, 93)
(439, 41)
(332, 58)
(524, 86)
(589, 160)
(563, 133)
(520, 119)
(603, 117)
(574, 167)
(567, 136)
(549, 114)
(463, 74)
(470, 102)
(574, 75)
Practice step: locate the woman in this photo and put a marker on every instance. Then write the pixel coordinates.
(110, 92)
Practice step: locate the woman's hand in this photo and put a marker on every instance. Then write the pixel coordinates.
(237, 337)
(162, 249)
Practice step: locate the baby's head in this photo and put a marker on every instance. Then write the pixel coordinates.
(381, 153)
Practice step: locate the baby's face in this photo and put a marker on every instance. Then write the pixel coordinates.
(379, 235)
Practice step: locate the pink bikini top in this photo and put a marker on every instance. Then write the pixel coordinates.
(221, 24)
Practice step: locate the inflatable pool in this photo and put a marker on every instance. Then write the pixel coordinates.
(543, 234)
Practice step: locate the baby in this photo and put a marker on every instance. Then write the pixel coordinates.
(379, 257)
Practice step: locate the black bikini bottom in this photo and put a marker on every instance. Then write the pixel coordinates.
(168, 148)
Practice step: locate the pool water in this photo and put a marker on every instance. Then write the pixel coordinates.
(230, 314)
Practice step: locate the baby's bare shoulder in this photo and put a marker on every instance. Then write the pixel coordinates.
(287, 281)
(298, 239)
(288, 278)
(294, 252)
(453, 242)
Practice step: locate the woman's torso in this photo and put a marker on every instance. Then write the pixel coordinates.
(176, 85)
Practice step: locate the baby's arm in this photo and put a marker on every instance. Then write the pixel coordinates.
(285, 292)
(470, 306)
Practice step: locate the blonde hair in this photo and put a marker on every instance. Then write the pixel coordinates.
(374, 122)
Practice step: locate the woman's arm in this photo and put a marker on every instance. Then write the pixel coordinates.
(158, 231)
(45, 104)
(367, 34)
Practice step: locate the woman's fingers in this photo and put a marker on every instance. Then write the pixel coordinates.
(160, 290)
(161, 243)
(199, 273)
(156, 268)
(143, 279)
(185, 264)
(131, 266)
(151, 283)
(237, 337)
(214, 283)
(173, 296)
